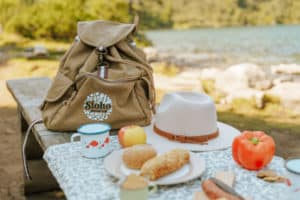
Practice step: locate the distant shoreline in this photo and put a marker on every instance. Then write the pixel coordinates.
(220, 27)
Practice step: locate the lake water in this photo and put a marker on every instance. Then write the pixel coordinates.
(261, 45)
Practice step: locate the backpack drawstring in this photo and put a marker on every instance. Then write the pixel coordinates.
(25, 164)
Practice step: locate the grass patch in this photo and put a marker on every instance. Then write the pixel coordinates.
(13, 43)
(273, 117)
(19, 68)
(209, 88)
(268, 98)
(258, 122)
(165, 69)
(52, 46)
(10, 39)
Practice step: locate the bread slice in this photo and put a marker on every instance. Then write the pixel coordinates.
(165, 164)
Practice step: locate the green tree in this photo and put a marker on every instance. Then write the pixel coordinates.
(8, 8)
(57, 19)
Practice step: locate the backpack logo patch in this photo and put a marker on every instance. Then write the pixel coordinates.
(97, 106)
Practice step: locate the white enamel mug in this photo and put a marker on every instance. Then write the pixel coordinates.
(94, 139)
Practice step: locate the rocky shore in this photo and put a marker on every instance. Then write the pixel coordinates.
(279, 83)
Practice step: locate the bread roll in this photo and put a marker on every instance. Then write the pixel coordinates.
(165, 164)
(134, 157)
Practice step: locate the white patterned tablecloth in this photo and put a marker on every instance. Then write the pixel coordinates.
(86, 179)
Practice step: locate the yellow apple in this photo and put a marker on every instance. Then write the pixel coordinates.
(132, 135)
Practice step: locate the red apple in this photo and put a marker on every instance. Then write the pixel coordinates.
(132, 135)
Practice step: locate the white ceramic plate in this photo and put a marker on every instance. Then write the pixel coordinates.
(114, 165)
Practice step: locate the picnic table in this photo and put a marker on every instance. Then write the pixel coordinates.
(82, 178)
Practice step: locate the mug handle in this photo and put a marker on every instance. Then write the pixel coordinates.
(152, 188)
(75, 135)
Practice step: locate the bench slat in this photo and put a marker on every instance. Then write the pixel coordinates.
(29, 94)
(47, 138)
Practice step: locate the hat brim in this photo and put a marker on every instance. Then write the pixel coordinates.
(226, 135)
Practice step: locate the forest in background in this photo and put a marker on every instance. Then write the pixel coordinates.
(56, 19)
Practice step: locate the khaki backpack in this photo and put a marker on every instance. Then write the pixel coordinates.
(103, 77)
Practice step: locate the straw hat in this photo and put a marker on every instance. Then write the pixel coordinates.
(189, 120)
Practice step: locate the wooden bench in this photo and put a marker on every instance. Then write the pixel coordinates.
(29, 94)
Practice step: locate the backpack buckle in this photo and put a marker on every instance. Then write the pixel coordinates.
(102, 65)
(103, 70)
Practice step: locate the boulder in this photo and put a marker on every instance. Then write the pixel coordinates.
(177, 83)
(190, 75)
(151, 53)
(36, 52)
(288, 93)
(210, 73)
(241, 76)
(282, 79)
(246, 93)
(264, 85)
(286, 69)
(40, 50)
